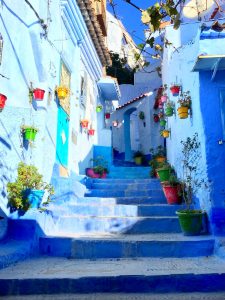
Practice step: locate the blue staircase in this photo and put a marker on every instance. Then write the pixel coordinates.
(122, 221)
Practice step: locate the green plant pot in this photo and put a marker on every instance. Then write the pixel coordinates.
(138, 160)
(162, 123)
(169, 111)
(190, 221)
(164, 174)
(99, 108)
(30, 133)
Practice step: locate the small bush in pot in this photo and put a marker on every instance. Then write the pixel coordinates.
(191, 220)
(172, 190)
(99, 168)
(28, 189)
(138, 157)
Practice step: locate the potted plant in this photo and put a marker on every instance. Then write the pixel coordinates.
(191, 220)
(156, 118)
(99, 169)
(29, 132)
(138, 157)
(162, 123)
(158, 154)
(91, 131)
(185, 105)
(164, 96)
(38, 94)
(3, 99)
(84, 123)
(175, 89)
(169, 108)
(165, 133)
(141, 115)
(107, 116)
(62, 92)
(172, 190)
(99, 108)
(28, 189)
(164, 172)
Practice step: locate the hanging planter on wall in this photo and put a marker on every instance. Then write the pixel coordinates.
(156, 118)
(162, 123)
(38, 94)
(84, 123)
(3, 99)
(185, 105)
(175, 89)
(62, 92)
(165, 133)
(107, 115)
(29, 132)
(91, 132)
(183, 112)
(99, 108)
(163, 98)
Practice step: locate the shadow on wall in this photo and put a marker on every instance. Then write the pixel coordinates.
(86, 162)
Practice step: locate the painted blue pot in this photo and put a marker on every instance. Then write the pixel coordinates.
(35, 197)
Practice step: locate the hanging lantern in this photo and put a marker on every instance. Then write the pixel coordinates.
(1, 48)
(38, 94)
(107, 115)
(3, 99)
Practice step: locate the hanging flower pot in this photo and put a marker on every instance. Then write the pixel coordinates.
(62, 92)
(175, 89)
(165, 133)
(156, 118)
(107, 115)
(3, 99)
(99, 108)
(183, 112)
(91, 131)
(162, 123)
(38, 94)
(163, 98)
(169, 111)
(84, 123)
(29, 133)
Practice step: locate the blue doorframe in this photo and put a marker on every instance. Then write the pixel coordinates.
(127, 139)
(62, 142)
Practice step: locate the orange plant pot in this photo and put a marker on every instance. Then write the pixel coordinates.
(62, 92)
(183, 112)
(84, 123)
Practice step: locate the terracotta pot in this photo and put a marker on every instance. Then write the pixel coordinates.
(38, 94)
(183, 112)
(84, 123)
(3, 99)
(175, 89)
(172, 194)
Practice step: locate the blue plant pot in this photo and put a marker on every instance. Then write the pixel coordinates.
(35, 197)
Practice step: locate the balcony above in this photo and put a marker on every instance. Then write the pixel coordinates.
(109, 88)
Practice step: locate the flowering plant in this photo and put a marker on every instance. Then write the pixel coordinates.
(161, 115)
(169, 104)
(185, 99)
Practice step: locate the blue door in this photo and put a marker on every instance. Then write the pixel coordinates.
(62, 143)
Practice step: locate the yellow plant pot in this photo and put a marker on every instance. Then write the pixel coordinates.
(165, 133)
(183, 112)
(62, 92)
(138, 160)
(160, 159)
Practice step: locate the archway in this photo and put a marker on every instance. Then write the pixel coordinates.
(127, 138)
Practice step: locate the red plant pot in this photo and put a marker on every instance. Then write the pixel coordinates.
(3, 99)
(107, 115)
(156, 118)
(39, 94)
(172, 194)
(91, 131)
(175, 89)
(90, 173)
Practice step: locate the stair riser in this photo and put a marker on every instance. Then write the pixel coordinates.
(118, 284)
(116, 210)
(74, 225)
(115, 181)
(130, 186)
(128, 193)
(86, 249)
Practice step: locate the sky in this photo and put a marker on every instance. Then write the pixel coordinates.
(131, 17)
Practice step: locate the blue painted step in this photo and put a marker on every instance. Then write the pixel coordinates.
(115, 210)
(72, 224)
(125, 193)
(170, 245)
(126, 186)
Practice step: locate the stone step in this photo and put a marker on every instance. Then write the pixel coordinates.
(131, 225)
(53, 275)
(125, 193)
(130, 169)
(126, 186)
(115, 181)
(127, 176)
(114, 210)
(127, 246)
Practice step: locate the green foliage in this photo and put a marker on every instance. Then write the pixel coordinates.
(100, 165)
(28, 178)
(193, 179)
(159, 151)
(120, 70)
(141, 115)
(185, 99)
